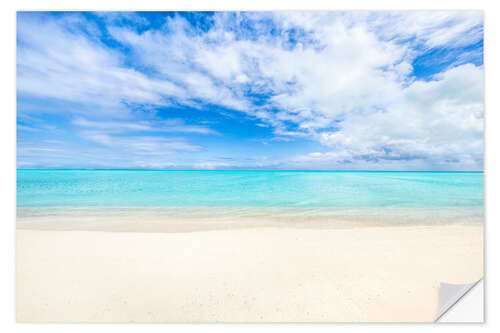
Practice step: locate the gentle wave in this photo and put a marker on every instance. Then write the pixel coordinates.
(156, 200)
(226, 189)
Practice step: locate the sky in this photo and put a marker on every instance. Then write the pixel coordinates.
(251, 90)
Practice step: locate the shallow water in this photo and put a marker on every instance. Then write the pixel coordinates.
(371, 197)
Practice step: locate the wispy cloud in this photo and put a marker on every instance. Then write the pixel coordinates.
(170, 126)
(141, 144)
(343, 80)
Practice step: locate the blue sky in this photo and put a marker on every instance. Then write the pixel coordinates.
(264, 90)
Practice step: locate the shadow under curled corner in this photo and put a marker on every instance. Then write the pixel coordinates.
(461, 303)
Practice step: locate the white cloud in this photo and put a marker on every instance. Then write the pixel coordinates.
(345, 81)
(57, 62)
(438, 122)
(148, 145)
(434, 28)
(169, 126)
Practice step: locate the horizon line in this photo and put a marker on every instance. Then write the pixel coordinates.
(266, 170)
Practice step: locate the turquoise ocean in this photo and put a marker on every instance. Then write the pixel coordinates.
(406, 197)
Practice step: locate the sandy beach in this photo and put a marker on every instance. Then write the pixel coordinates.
(239, 166)
(361, 274)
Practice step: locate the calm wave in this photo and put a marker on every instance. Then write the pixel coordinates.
(438, 196)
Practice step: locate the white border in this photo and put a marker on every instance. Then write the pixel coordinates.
(7, 172)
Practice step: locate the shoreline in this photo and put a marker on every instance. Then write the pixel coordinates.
(190, 219)
(148, 227)
(374, 274)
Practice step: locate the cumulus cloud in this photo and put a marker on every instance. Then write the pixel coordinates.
(439, 121)
(341, 79)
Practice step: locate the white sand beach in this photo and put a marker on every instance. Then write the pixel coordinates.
(365, 274)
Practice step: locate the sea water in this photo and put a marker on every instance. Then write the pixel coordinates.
(332, 195)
